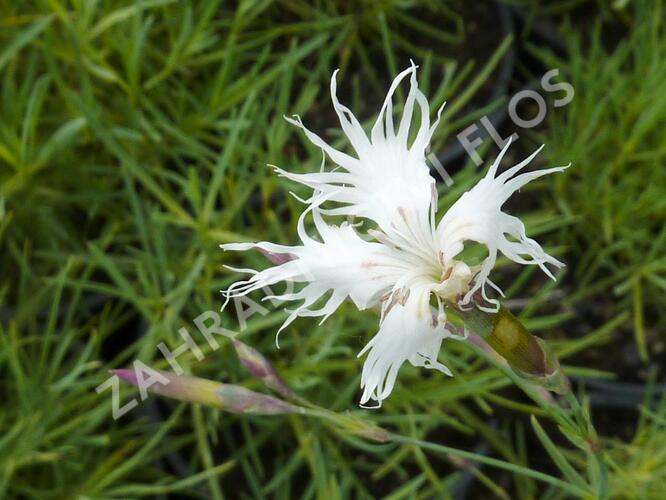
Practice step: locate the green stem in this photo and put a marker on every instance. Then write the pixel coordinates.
(540, 476)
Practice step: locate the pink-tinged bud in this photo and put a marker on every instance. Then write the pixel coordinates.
(237, 399)
(231, 398)
(277, 258)
(126, 374)
(260, 367)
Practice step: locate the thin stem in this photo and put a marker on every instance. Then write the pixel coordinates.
(540, 476)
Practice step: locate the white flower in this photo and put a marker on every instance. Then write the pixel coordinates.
(410, 264)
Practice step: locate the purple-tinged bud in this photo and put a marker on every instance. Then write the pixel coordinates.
(237, 399)
(126, 374)
(260, 367)
(227, 397)
(183, 388)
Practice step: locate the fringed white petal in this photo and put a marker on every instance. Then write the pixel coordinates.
(342, 264)
(389, 174)
(477, 216)
(407, 333)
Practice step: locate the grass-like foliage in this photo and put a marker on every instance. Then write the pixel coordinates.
(133, 141)
(615, 136)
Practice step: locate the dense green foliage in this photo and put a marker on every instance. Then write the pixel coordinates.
(133, 141)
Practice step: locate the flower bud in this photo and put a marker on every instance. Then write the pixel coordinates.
(261, 368)
(527, 355)
(227, 397)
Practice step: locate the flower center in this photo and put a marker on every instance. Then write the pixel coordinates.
(455, 280)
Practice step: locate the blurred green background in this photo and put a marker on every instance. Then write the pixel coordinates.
(134, 138)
